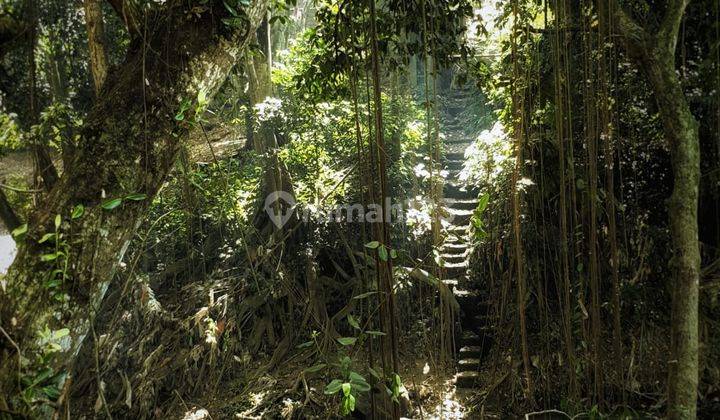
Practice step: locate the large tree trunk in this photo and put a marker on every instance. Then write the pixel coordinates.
(96, 42)
(655, 55)
(681, 130)
(129, 143)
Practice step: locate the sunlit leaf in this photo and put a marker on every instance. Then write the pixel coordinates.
(111, 204)
(353, 322)
(18, 232)
(347, 341)
(136, 197)
(316, 368)
(305, 344)
(364, 295)
(372, 244)
(77, 212)
(383, 253)
(46, 237)
(333, 387)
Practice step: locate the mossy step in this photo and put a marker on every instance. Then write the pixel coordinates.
(469, 364)
(450, 282)
(467, 379)
(460, 264)
(457, 229)
(461, 203)
(453, 257)
(454, 248)
(455, 272)
(455, 156)
(471, 352)
(456, 164)
(470, 338)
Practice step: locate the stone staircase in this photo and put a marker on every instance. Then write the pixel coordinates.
(475, 338)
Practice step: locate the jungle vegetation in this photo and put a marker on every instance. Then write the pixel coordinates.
(426, 209)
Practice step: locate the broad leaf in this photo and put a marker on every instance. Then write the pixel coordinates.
(111, 204)
(372, 245)
(333, 387)
(347, 341)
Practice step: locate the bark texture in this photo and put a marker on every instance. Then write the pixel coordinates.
(129, 143)
(655, 54)
(96, 43)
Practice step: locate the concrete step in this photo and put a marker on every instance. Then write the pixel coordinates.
(472, 352)
(459, 216)
(461, 203)
(454, 248)
(470, 364)
(478, 323)
(450, 282)
(452, 258)
(461, 252)
(457, 156)
(460, 264)
(458, 191)
(457, 229)
(470, 338)
(467, 379)
(455, 271)
(464, 295)
(456, 164)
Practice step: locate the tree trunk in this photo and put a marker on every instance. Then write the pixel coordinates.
(681, 130)
(655, 55)
(96, 43)
(129, 144)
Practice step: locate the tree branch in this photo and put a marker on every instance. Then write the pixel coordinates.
(7, 214)
(633, 34)
(670, 26)
(124, 15)
(45, 166)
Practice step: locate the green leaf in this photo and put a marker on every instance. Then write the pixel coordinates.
(482, 204)
(136, 197)
(393, 254)
(353, 322)
(316, 368)
(347, 341)
(374, 373)
(49, 257)
(46, 237)
(111, 204)
(51, 284)
(58, 221)
(333, 387)
(360, 385)
(18, 232)
(375, 333)
(61, 333)
(364, 295)
(78, 212)
(305, 344)
(346, 388)
(372, 245)
(383, 253)
(350, 405)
